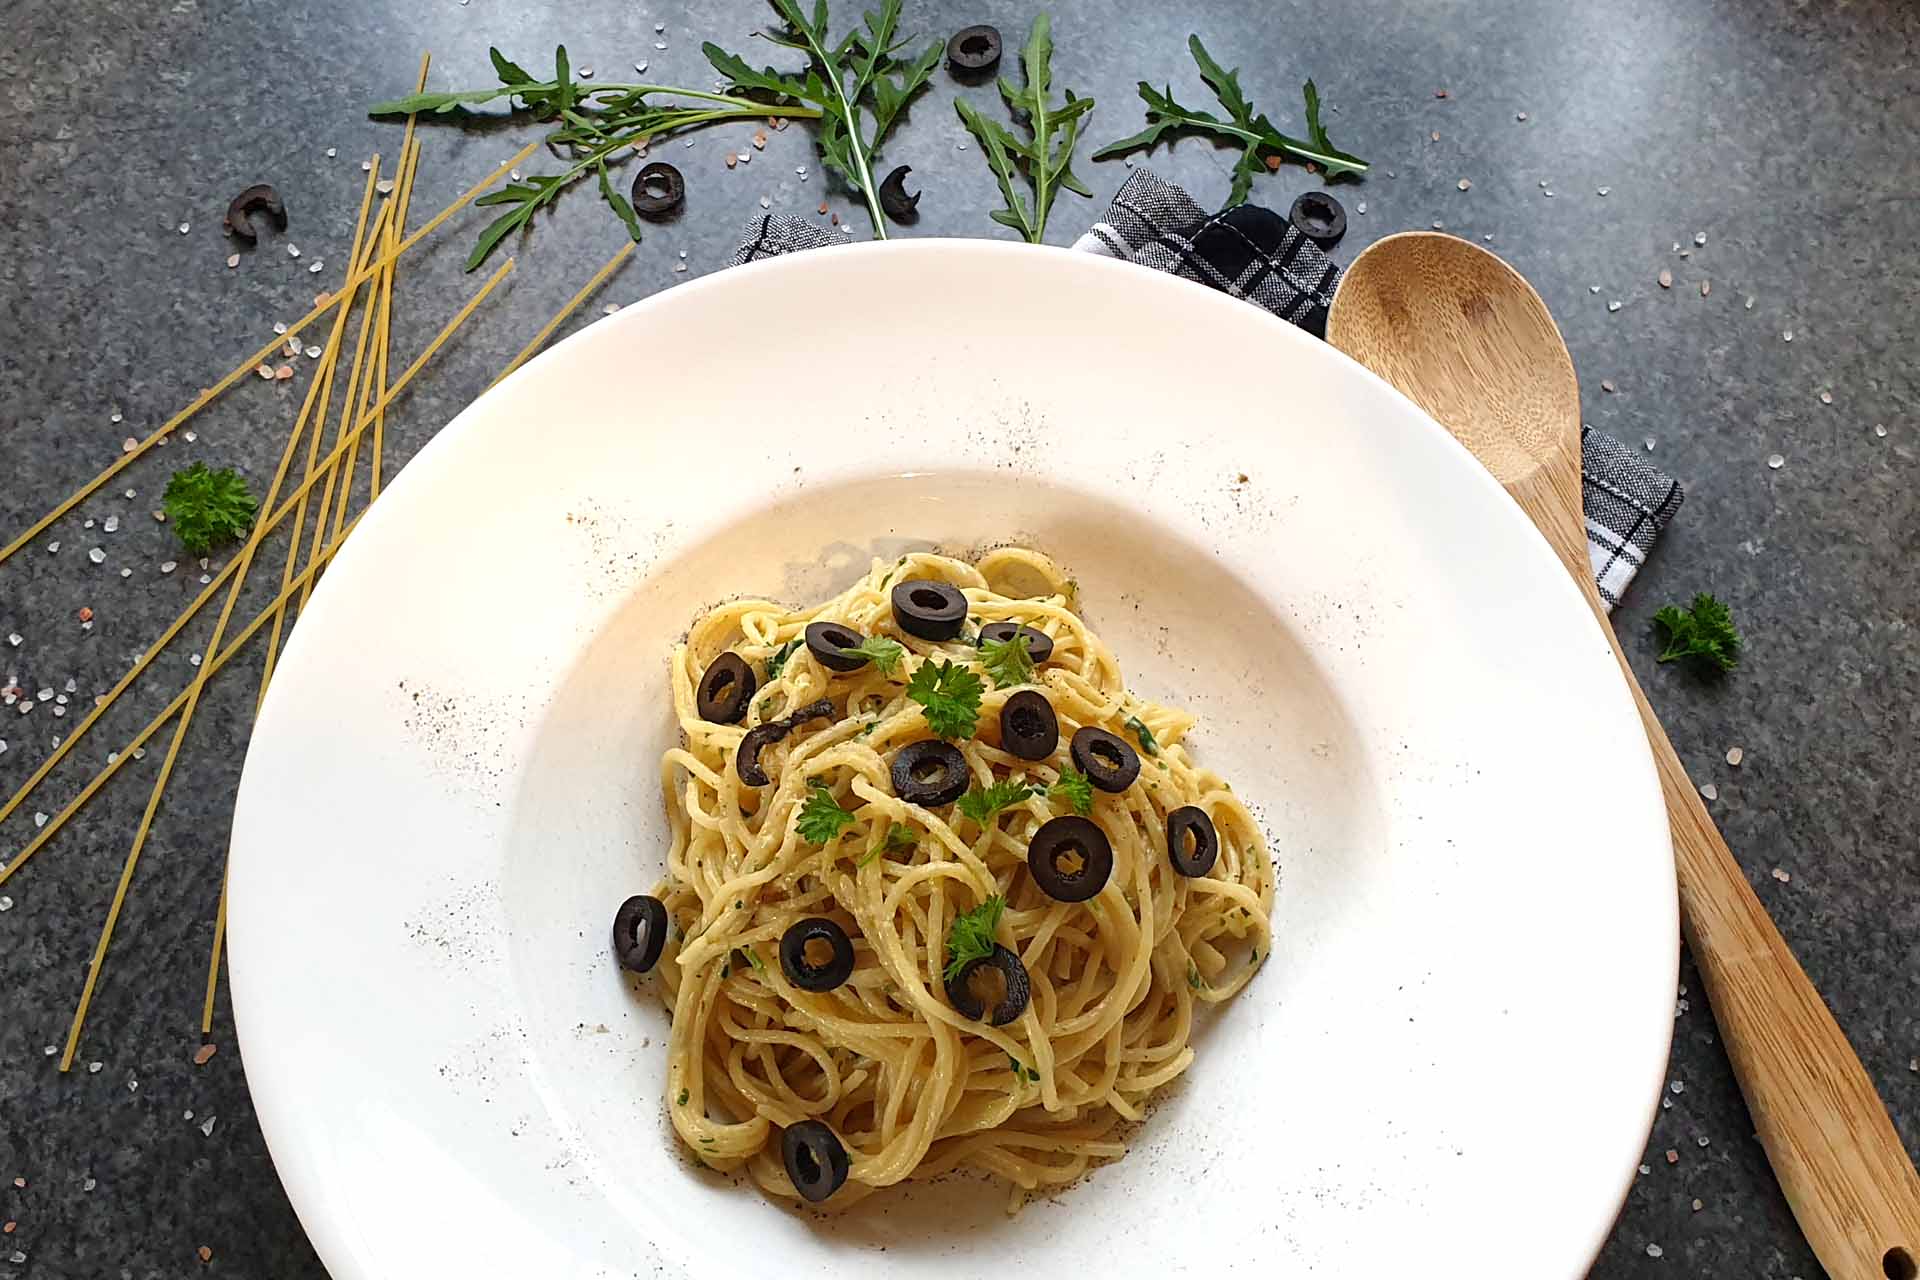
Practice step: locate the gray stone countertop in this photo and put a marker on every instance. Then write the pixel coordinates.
(1782, 131)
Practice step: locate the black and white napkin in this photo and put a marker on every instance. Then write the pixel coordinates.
(1253, 253)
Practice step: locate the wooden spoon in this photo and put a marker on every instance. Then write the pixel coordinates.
(1462, 335)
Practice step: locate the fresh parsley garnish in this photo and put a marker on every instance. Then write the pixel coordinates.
(949, 696)
(1075, 788)
(1008, 661)
(885, 654)
(1148, 743)
(970, 937)
(778, 662)
(850, 81)
(1045, 166)
(1254, 133)
(899, 837)
(981, 803)
(822, 818)
(208, 508)
(1702, 631)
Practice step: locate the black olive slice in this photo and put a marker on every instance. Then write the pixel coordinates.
(1014, 1003)
(930, 773)
(1109, 763)
(725, 690)
(639, 932)
(815, 1160)
(928, 609)
(1320, 218)
(658, 190)
(1028, 727)
(827, 641)
(262, 198)
(1074, 838)
(1192, 843)
(894, 200)
(1039, 643)
(806, 975)
(974, 49)
(746, 759)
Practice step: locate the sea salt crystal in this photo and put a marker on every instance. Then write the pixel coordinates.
(1711, 792)
(765, 203)
(1614, 305)
(1735, 755)
(1879, 429)
(97, 555)
(293, 251)
(53, 546)
(1786, 335)
(207, 1128)
(1826, 397)
(185, 227)
(1678, 1086)
(168, 566)
(111, 524)
(1654, 1251)
(1775, 461)
(1699, 237)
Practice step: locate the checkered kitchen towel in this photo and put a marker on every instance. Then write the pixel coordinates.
(1253, 253)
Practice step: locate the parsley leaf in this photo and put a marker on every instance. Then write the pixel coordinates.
(970, 937)
(1148, 743)
(1254, 133)
(1047, 168)
(950, 697)
(981, 804)
(851, 81)
(1008, 661)
(899, 837)
(885, 654)
(822, 818)
(208, 507)
(778, 662)
(1703, 631)
(1075, 788)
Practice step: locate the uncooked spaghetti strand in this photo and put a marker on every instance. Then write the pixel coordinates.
(266, 526)
(200, 401)
(573, 304)
(409, 164)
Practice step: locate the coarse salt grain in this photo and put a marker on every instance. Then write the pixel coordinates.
(1786, 335)
(1614, 305)
(279, 326)
(1735, 755)
(1605, 190)
(168, 566)
(1710, 791)
(1465, 184)
(313, 353)
(1606, 385)
(1654, 1251)
(1782, 876)
(97, 555)
(1826, 397)
(129, 445)
(293, 251)
(1673, 1157)
(1879, 429)
(111, 524)
(233, 260)
(1521, 116)
(1697, 1206)
(204, 1054)
(53, 546)
(1776, 461)
(765, 203)
(1678, 1086)
(1699, 237)
(1706, 287)
(1665, 278)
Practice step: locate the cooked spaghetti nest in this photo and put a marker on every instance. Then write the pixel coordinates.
(909, 1084)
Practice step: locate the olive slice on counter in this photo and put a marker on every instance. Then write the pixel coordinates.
(725, 689)
(815, 1159)
(928, 609)
(1039, 643)
(960, 993)
(827, 642)
(639, 932)
(1028, 727)
(802, 972)
(930, 773)
(1109, 763)
(1319, 217)
(975, 48)
(1070, 858)
(1192, 843)
(658, 190)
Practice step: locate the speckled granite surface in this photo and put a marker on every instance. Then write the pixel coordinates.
(1782, 131)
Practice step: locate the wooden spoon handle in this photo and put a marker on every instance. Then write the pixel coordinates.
(1833, 1148)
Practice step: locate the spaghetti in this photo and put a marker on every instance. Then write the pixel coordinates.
(909, 1066)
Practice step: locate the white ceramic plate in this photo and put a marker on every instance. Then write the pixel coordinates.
(1449, 1065)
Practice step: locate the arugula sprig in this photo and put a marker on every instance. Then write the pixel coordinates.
(1703, 631)
(1254, 133)
(821, 817)
(1075, 788)
(1008, 661)
(594, 123)
(859, 77)
(949, 696)
(971, 935)
(1046, 167)
(207, 508)
(981, 803)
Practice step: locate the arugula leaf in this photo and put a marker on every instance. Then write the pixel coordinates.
(971, 936)
(621, 206)
(981, 804)
(949, 696)
(884, 653)
(1148, 743)
(822, 818)
(1046, 167)
(1075, 788)
(900, 837)
(1008, 661)
(207, 508)
(1703, 631)
(778, 662)
(1254, 133)
(860, 75)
